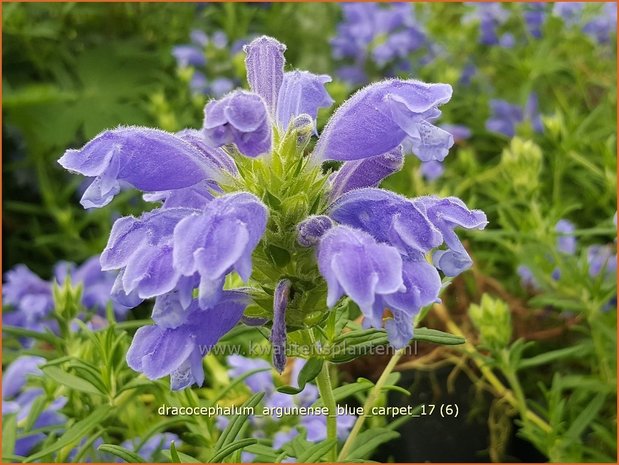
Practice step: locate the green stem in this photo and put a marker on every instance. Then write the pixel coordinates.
(369, 403)
(323, 380)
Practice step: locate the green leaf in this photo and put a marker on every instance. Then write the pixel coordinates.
(9, 434)
(437, 337)
(347, 390)
(20, 332)
(184, 458)
(353, 344)
(35, 410)
(367, 442)
(71, 381)
(310, 370)
(588, 414)
(174, 454)
(125, 454)
(280, 256)
(236, 423)
(317, 451)
(75, 433)
(262, 451)
(553, 355)
(226, 451)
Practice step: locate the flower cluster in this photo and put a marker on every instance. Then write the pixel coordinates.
(599, 28)
(244, 199)
(32, 298)
(197, 56)
(282, 429)
(381, 35)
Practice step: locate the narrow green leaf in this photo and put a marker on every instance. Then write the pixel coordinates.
(125, 454)
(262, 451)
(184, 458)
(236, 423)
(71, 381)
(588, 414)
(226, 451)
(75, 433)
(553, 355)
(367, 442)
(21, 332)
(173, 453)
(315, 452)
(9, 434)
(437, 337)
(35, 410)
(347, 390)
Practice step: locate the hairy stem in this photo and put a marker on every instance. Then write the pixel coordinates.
(369, 403)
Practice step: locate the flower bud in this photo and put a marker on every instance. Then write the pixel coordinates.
(312, 228)
(493, 320)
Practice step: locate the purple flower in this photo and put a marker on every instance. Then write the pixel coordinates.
(283, 437)
(570, 12)
(301, 92)
(506, 116)
(188, 55)
(265, 68)
(178, 352)
(447, 214)
(151, 448)
(383, 34)
(218, 240)
(368, 172)
(432, 170)
(458, 131)
(258, 382)
(601, 27)
(278, 332)
(148, 159)
(389, 218)
(534, 18)
(601, 258)
(491, 16)
(378, 118)
(316, 426)
(29, 295)
(566, 242)
(353, 263)
(19, 400)
(240, 118)
(142, 249)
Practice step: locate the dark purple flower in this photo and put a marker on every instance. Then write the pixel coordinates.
(378, 118)
(178, 352)
(278, 332)
(240, 118)
(310, 230)
(368, 172)
(218, 240)
(148, 159)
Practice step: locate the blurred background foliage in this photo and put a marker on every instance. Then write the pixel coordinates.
(72, 70)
